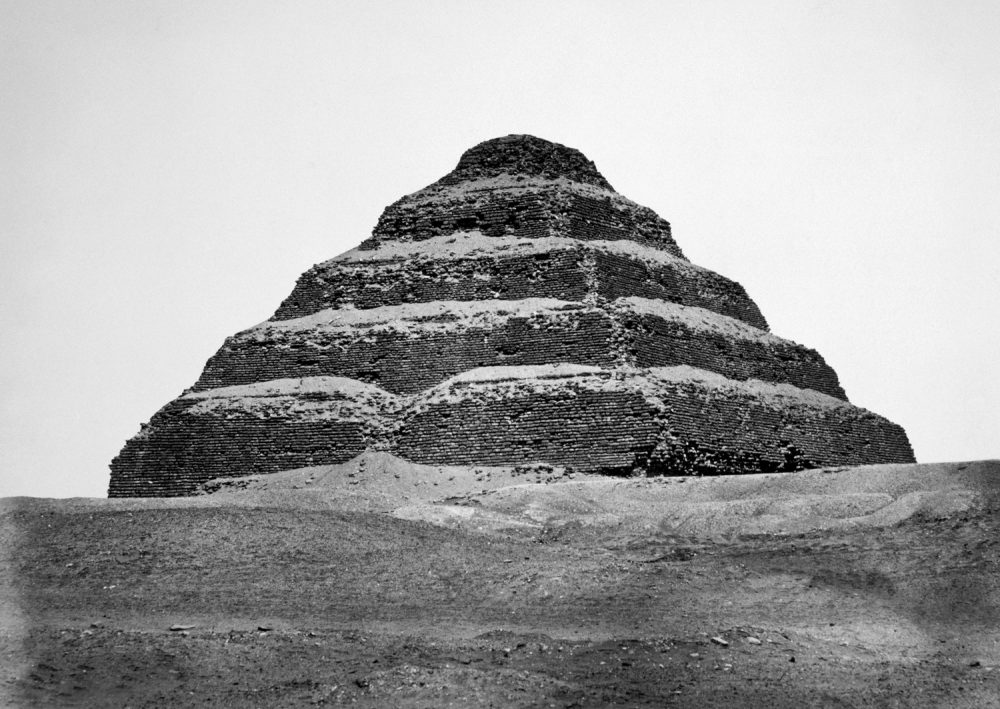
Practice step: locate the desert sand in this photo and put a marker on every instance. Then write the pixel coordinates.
(383, 583)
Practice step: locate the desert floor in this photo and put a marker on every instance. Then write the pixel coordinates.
(380, 583)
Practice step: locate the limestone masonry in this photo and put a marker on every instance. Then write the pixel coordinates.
(518, 310)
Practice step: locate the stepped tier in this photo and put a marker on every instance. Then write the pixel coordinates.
(408, 348)
(518, 310)
(255, 428)
(469, 266)
(521, 186)
(662, 420)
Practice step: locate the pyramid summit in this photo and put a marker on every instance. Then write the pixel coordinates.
(526, 155)
(523, 186)
(518, 310)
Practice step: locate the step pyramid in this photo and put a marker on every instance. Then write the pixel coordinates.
(518, 310)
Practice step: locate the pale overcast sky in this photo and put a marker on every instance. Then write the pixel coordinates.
(170, 168)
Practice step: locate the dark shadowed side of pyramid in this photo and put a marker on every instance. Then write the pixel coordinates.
(518, 310)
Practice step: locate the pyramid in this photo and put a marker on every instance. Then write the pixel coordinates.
(518, 310)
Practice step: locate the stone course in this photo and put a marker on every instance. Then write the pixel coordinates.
(518, 310)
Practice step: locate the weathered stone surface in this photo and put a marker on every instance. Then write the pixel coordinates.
(524, 156)
(256, 428)
(468, 266)
(408, 348)
(661, 420)
(518, 310)
(524, 187)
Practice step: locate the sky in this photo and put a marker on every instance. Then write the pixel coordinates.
(170, 168)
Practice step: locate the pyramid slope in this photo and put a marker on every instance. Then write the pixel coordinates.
(518, 310)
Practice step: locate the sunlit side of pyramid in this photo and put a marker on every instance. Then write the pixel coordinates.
(518, 310)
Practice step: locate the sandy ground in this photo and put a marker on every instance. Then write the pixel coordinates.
(382, 583)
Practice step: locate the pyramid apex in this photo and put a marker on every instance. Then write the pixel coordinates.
(526, 155)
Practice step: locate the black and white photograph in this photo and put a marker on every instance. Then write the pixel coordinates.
(500, 353)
